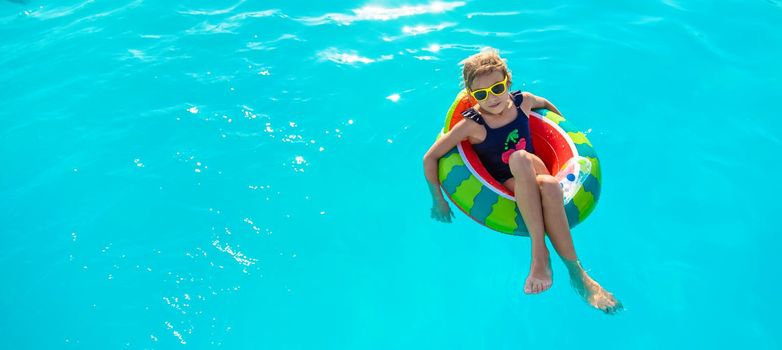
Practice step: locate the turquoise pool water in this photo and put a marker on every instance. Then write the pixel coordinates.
(248, 174)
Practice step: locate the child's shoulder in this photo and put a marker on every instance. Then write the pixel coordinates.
(473, 115)
(526, 94)
(528, 98)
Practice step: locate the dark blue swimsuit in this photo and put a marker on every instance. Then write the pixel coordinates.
(495, 150)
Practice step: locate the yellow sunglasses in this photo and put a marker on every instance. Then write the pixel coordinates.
(496, 89)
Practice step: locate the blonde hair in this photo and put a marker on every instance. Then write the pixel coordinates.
(484, 62)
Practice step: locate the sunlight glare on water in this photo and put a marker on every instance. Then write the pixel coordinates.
(248, 174)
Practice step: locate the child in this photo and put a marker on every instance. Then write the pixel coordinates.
(492, 126)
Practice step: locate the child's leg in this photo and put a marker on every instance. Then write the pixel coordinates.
(558, 231)
(525, 168)
(554, 217)
(554, 220)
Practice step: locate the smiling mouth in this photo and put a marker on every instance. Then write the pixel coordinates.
(496, 105)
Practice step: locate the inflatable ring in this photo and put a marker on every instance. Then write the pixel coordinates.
(476, 193)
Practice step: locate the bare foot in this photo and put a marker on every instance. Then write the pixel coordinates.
(539, 279)
(591, 291)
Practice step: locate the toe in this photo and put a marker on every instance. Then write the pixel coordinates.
(611, 305)
(616, 307)
(611, 309)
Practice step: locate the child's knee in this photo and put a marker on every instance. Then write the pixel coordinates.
(549, 187)
(520, 161)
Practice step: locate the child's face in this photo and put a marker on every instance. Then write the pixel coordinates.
(493, 104)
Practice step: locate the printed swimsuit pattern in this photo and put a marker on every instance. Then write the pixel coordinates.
(512, 141)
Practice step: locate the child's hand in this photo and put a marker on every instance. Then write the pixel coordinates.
(441, 211)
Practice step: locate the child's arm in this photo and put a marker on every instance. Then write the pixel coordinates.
(539, 102)
(440, 209)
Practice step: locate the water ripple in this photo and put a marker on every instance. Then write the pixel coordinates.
(379, 13)
(492, 14)
(233, 22)
(212, 12)
(484, 33)
(264, 45)
(408, 31)
(58, 12)
(348, 57)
